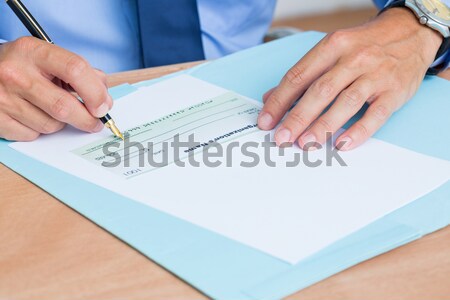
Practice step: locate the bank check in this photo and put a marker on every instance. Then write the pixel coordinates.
(173, 137)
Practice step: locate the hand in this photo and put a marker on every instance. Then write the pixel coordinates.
(31, 100)
(382, 63)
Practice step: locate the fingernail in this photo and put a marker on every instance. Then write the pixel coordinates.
(265, 121)
(345, 143)
(308, 142)
(102, 110)
(99, 127)
(283, 136)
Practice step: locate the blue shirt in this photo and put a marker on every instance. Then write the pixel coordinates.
(106, 32)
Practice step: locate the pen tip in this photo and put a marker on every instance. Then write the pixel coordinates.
(112, 126)
(118, 134)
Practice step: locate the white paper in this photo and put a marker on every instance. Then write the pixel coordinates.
(290, 213)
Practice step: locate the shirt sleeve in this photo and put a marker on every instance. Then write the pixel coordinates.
(380, 3)
(447, 60)
(444, 59)
(2, 41)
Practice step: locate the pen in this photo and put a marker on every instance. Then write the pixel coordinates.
(38, 32)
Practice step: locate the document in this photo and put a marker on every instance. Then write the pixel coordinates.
(193, 150)
(230, 112)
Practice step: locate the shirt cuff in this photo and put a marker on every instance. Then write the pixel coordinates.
(2, 41)
(380, 4)
(443, 60)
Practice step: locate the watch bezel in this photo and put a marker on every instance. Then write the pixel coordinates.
(429, 14)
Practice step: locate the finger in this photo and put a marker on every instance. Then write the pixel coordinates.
(268, 94)
(318, 96)
(77, 72)
(102, 76)
(295, 83)
(69, 88)
(376, 115)
(348, 103)
(33, 117)
(61, 105)
(100, 73)
(13, 130)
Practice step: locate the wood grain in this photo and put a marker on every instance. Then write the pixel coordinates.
(146, 74)
(48, 251)
(329, 22)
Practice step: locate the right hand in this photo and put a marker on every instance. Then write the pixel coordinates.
(31, 101)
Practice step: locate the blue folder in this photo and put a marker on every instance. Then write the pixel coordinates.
(225, 269)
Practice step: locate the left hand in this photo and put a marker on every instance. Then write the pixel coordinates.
(382, 63)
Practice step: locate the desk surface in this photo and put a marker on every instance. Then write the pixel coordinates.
(49, 251)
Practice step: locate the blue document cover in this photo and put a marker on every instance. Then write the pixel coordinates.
(222, 268)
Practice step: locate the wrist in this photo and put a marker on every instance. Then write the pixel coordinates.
(403, 21)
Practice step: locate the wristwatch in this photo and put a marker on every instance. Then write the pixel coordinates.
(434, 14)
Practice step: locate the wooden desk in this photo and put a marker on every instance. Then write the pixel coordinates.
(48, 251)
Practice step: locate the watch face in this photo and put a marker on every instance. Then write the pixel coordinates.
(439, 10)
